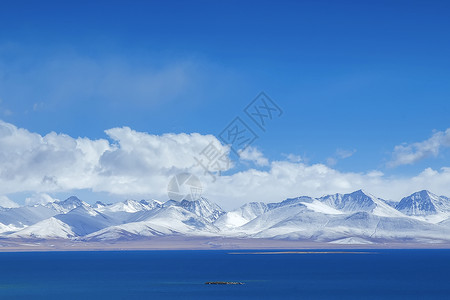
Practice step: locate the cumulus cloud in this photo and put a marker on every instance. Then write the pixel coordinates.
(31, 162)
(254, 155)
(128, 163)
(39, 198)
(141, 163)
(408, 154)
(287, 180)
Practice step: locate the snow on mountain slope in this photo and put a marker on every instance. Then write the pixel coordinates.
(66, 205)
(203, 208)
(241, 216)
(321, 207)
(181, 220)
(357, 217)
(130, 206)
(230, 220)
(128, 231)
(252, 210)
(128, 210)
(79, 219)
(445, 223)
(398, 229)
(391, 203)
(85, 220)
(98, 205)
(383, 209)
(272, 217)
(290, 201)
(312, 226)
(171, 220)
(18, 218)
(323, 218)
(304, 225)
(356, 224)
(424, 203)
(51, 228)
(352, 241)
(354, 202)
(360, 201)
(5, 229)
(369, 226)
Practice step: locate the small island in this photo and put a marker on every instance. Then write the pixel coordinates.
(224, 282)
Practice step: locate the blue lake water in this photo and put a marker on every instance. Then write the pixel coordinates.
(380, 274)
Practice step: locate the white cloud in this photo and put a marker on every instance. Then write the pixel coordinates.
(287, 179)
(138, 164)
(31, 162)
(409, 154)
(133, 163)
(143, 163)
(254, 155)
(331, 161)
(293, 157)
(340, 154)
(39, 198)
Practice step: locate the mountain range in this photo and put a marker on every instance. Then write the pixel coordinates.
(354, 218)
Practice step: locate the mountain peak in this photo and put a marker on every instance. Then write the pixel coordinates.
(203, 207)
(67, 205)
(98, 204)
(133, 206)
(423, 203)
(425, 193)
(356, 201)
(361, 192)
(72, 199)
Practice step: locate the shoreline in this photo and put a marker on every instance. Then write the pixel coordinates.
(201, 243)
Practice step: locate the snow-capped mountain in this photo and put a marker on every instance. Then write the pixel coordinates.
(128, 210)
(85, 220)
(13, 219)
(202, 208)
(67, 205)
(360, 201)
(242, 215)
(130, 206)
(357, 217)
(424, 203)
(98, 205)
(51, 228)
(168, 220)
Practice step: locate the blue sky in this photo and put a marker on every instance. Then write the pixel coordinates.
(354, 78)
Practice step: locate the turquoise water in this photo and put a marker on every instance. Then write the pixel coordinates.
(380, 274)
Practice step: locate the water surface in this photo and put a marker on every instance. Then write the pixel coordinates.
(378, 274)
